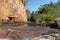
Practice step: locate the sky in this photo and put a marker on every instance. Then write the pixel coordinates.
(33, 5)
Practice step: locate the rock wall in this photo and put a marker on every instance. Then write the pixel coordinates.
(13, 10)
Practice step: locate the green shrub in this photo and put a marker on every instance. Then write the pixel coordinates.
(44, 17)
(47, 17)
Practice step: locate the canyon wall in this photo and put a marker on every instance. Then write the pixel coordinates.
(13, 10)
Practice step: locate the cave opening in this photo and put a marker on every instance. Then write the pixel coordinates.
(11, 19)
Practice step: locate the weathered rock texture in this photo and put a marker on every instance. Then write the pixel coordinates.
(13, 10)
(28, 33)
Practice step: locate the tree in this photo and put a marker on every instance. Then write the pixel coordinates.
(58, 2)
(51, 4)
(32, 19)
(46, 12)
(28, 14)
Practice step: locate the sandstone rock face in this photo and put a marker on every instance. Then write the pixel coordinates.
(13, 10)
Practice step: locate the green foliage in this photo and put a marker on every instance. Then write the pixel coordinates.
(47, 12)
(44, 17)
(47, 17)
(32, 17)
(28, 14)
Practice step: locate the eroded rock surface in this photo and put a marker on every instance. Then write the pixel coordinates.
(25, 33)
(13, 10)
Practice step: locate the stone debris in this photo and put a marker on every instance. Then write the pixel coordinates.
(18, 33)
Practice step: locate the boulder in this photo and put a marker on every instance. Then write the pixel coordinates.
(53, 24)
(58, 22)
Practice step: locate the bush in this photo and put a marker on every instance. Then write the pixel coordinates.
(47, 17)
(44, 17)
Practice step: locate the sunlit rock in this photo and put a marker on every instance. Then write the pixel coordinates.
(58, 22)
(6, 39)
(13, 10)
